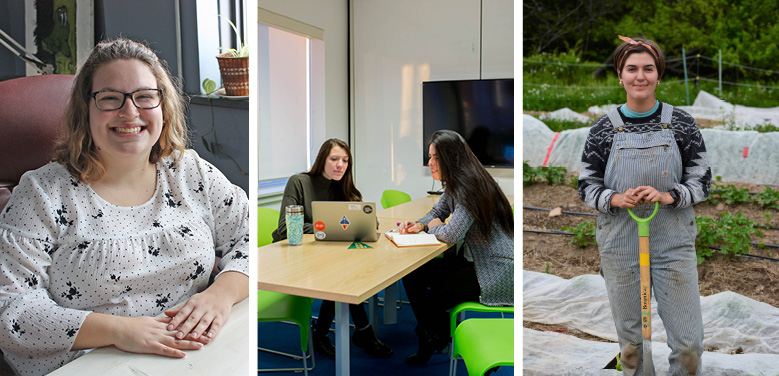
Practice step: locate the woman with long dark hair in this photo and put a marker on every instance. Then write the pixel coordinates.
(482, 218)
(330, 179)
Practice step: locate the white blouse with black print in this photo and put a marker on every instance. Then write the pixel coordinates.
(66, 252)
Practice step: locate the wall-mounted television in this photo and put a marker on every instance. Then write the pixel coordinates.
(482, 111)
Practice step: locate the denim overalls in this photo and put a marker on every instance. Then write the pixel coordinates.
(652, 159)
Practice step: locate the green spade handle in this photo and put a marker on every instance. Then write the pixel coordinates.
(643, 223)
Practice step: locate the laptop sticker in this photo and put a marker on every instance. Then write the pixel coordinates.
(354, 206)
(367, 209)
(345, 222)
(320, 235)
(319, 225)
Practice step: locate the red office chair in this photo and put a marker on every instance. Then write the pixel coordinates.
(32, 113)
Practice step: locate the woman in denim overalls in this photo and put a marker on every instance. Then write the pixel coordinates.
(644, 152)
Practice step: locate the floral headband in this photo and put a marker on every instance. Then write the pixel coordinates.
(633, 44)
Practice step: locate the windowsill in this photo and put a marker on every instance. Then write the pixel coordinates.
(240, 103)
(270, 188)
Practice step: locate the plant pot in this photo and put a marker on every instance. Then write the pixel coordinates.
(235, 74)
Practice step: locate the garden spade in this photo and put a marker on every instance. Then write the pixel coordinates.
(646, 291)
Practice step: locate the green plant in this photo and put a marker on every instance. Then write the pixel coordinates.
(548, 266)
(529, 174)
(730, 233)
(765, 128)
(574, 181)
(213, 147)
(767, 222)
(768, 198)
(583, 234)
(242, 50)
(730, 194)
(552, 175)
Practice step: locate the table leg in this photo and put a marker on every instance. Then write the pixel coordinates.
(341, 339)
(390, 299)
(373, 317)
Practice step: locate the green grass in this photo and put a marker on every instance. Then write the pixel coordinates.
(549, 87)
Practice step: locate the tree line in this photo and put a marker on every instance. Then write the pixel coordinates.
(746, 31)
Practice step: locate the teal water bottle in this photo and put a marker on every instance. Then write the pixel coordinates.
(294, 217)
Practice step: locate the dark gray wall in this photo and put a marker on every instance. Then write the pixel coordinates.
(12, 23)
(150, 21)
(231, 120)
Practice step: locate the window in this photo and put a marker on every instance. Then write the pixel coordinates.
(214, 32)
(291, 94)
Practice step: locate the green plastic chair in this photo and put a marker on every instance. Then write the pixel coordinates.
(277, 307)
(267, 221)
(484, 344)
(458, 312)
(391, 197)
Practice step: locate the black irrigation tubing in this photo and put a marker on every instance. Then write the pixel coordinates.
(565, 212)
(557, 232)
(595, 215)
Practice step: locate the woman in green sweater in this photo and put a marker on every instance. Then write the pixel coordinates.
(330, 179)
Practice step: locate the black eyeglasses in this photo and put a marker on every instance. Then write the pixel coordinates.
(111, 100)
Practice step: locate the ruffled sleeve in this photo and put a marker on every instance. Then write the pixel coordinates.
(33, 324)
(229, 210)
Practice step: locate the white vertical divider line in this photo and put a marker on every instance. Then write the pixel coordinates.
(308, 103)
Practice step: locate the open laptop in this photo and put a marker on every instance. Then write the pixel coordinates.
(344, 221)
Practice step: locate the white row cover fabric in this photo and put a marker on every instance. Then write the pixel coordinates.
(731, 322)
(708, 106)
(736, 156)
(549, 353)
(566, 114)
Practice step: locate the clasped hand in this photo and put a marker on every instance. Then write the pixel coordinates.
(201, 317)
(640, 195)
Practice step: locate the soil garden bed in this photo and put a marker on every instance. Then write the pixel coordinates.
(755, 278)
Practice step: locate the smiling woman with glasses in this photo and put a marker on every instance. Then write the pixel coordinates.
(125, 225)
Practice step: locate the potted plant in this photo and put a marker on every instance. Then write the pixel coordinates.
(234, 66)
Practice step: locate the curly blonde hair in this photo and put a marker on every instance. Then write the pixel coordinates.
(76, 149)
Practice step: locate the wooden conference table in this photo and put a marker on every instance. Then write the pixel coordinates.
(229, 353)
(331, 271)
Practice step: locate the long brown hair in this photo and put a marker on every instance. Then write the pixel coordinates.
(76, 149)
(348, 191)
(469, 183)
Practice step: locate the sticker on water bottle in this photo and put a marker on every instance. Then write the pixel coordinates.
(320, 235)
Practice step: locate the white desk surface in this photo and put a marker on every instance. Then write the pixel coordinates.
(227, 354)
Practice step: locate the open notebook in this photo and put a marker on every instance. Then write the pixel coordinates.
(412, 240)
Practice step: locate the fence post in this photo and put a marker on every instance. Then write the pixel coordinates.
(686, 83)
(720, 73)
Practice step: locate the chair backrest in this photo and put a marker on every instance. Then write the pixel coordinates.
(473, 307)
(267, 221)
(484, 344)
(391, 197)
(32, 113)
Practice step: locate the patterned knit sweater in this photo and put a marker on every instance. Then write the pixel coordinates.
(493, 259)
(696, 175)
